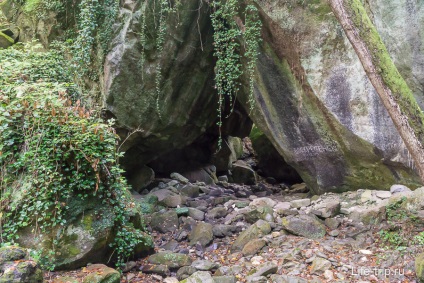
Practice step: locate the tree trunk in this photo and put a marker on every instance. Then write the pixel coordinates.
(383, 74)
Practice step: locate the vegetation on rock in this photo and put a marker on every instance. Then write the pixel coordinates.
(53, 149)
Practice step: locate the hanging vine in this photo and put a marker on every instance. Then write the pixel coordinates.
(227, 37)
(95, 21)
(159, 49)
(252, 40)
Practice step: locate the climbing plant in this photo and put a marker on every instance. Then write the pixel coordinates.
(229, 38)
(166, 8)
(94, 30)
(252, 38)
(53, 149)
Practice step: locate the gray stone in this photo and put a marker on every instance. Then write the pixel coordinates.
(265, 269)
(282, 207)
(263, 212)
(162, 194)
(202, 233)
(164, 221)
(256, 279)
(196, 214)
(224, 279)
(160, 269)
(331, 209)
(198, 203)
(320, 265)
(304, 225)
(174, 201)
(373, 215)
(395, 189)
(334, 233)
(383, 194)
(204, 265)
(172, 260)
(190, 190)
(332, 223)
(300, 203)
(223, 230)
(185, 272)
(260, 228)
(253, 246)
(263, 202)
(287, 279)
(206, 175)
(172, 245)
(200, 277)
(178, 177)
(231, 150)
(216, 212)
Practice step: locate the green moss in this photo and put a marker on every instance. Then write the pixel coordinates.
(8, 38)
(73, 251)
(87, 222)
(386, 68)
(320, 8)
(255, 133)
(31, 5)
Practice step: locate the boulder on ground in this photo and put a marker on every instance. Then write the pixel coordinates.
(259, 229)
(242, 173)
(304, 225)
(172, 260)
(202, 233)
(17, 268)
(99, 273)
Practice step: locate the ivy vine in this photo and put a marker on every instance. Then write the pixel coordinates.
(54, 150)
(228, 51)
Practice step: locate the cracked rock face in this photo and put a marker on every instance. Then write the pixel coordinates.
(174, 111)
(315, 103)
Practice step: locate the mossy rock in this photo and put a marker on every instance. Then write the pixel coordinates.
(11, 253)
(5, 40)
(86, 238)
(172, 260)
(305, 226)
(99, 273)
(20, 271)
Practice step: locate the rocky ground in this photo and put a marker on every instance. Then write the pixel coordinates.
(272, 233)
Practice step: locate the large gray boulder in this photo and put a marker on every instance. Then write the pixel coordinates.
(315, 103)
(185, 104)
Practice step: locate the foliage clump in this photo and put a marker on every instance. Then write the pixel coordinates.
(53, 149)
